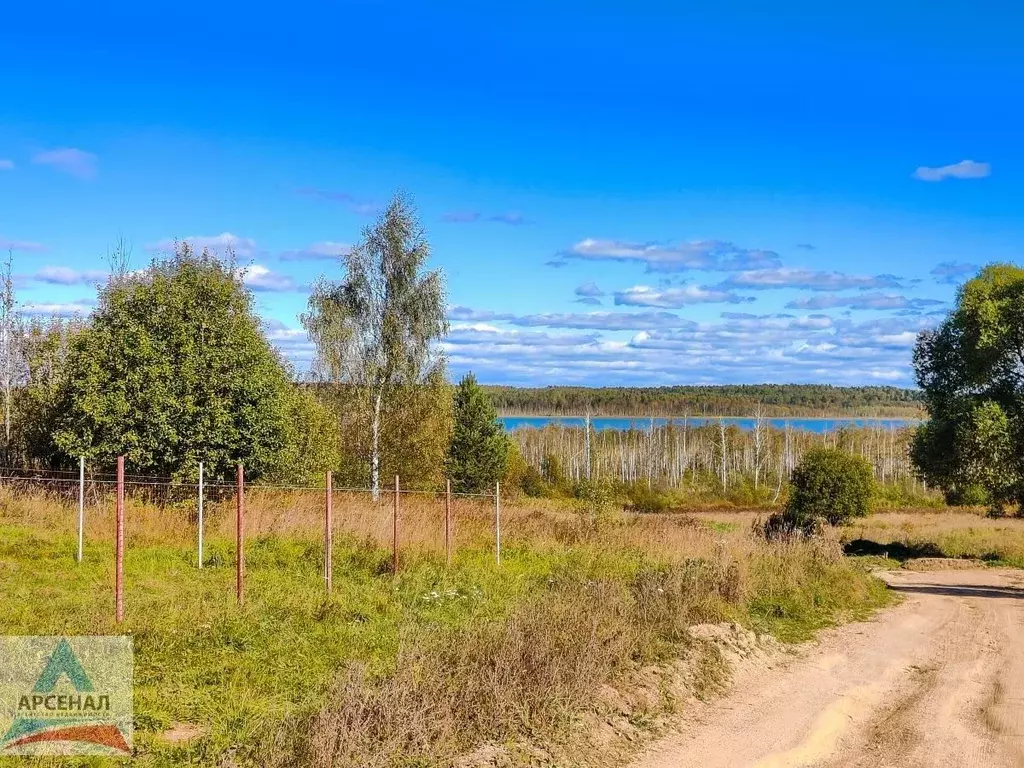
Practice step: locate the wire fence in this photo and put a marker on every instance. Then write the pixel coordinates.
(93, 490)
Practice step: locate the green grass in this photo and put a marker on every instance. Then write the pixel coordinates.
(240, 672)
(794, 609)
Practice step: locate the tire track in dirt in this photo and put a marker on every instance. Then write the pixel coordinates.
(935, 681)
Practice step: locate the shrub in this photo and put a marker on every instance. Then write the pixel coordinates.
(781, 526)
(972, 495)
(642, 498)
(516, 469)
(533, 483)
(830, 485)
(593, 496)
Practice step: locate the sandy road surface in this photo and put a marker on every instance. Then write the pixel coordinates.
(935, 681)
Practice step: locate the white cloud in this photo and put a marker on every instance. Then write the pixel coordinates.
(604, 321)
(481, 333)
(322, 251)
(806, 279)
(965, 169)
(864, 301)
(714, 255)
(222, 243)
(71, 309)
(952, 273)
(741, 348)
(6, 165)
(512, 218)
(355, 204)
(76, 162)
(673, 298)
(261, 279)
(20, 245)
(68, 276)
(293, 343)
(589, 290)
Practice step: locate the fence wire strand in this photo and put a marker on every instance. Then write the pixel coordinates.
(110, 478)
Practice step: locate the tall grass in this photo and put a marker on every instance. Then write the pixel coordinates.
(413, 668)
(956, 533)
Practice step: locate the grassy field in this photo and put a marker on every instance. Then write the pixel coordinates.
(941, 533)
(412, 669)
(902, 536)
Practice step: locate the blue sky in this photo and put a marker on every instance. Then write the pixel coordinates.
(618, 193)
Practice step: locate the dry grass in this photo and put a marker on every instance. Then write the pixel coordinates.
(452, 691)
(907, 534)
(944, 533)
(409, 670)
(300, 515)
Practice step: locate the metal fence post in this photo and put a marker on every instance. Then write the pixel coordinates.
(394, 532)
(448, 522)
(81, 507)
(119, 546)
(328, 533)
(497, 522)
(240, 536)
(200, 514)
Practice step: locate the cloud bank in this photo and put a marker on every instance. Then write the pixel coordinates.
(965, 169)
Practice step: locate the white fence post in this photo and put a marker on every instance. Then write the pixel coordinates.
(81, 506)
(200, 514)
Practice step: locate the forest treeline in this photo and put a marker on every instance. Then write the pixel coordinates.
(778, 400)
(682, 463)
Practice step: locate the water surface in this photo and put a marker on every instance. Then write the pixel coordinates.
(806, 424)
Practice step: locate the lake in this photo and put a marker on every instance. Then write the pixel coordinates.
(806, 424)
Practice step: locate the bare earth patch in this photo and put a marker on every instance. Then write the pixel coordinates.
(943, 564)
(179, 733)
(927, 683)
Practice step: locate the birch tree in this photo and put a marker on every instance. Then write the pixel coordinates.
(758, 443)
(375, 330)
(724, 448)
(9, 335)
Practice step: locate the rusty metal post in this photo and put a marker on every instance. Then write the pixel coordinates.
(497, 522)
(240, 536)
(119, 545)
(328, 532)
(448, 522)
(394, 532)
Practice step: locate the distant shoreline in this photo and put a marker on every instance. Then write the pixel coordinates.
(921, 417)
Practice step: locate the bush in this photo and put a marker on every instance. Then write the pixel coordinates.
(972, 495)
(829, 485)
(534, 484)
(516, 469)
(642, 498)
(781, 526)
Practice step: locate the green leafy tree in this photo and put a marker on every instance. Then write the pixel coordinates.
(313, 440)
(971, 373)
(44, 348)
(828, 485)
(479, 450)
(375, 332)
(173, 369)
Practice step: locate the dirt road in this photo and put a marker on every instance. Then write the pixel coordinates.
(935, 681)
